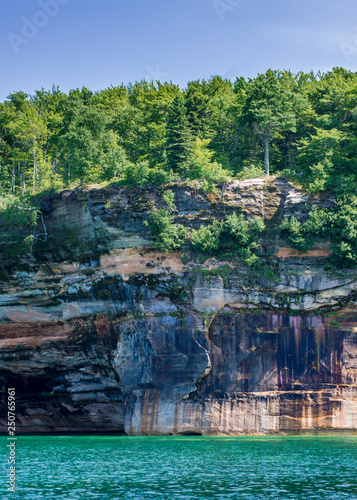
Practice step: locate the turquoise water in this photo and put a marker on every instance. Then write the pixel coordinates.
(111, 467)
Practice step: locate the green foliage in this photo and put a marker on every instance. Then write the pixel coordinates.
(160, 176)
(16, 212)
(302, 235)
(178, 136)
(88, 150)
(167, 235)
(344, 254)
(201, 166)
(303, 124)
(17, 220)
(139, 174)
(234, 236)
(250, 172)
(154, 132)
(272, 108)
(342, 229)
(297, 237)
(136, 174)
(318, 223)
(169, 198)
(338, 225)
(207, 238)
(319, 158)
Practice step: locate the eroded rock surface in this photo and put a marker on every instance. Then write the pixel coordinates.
(104, 334)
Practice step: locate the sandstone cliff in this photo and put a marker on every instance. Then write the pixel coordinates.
(101, 333)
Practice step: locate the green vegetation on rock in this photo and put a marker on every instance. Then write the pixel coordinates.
(301, 126)
(167, 235)
(338, 226)
(232, 236)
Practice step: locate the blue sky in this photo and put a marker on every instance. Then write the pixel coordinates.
(102, 43)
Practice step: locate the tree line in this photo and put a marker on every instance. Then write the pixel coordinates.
(301, 125)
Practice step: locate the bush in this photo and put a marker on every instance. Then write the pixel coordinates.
(343, 231)
(159, 176)
(241, 232)
(318, 223)
(250, 172)
(16, 212)
(234, 235)
(206, 238)
(320, 176)
(17, 221)
(338, 225)
(169, 198)
(297, 236)
(139, 174)
(201, 166)
(344, 255)
(136, 174)
(168, 236)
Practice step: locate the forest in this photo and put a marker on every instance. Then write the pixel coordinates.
(300, 126)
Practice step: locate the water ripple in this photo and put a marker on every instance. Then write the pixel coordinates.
(187, 468)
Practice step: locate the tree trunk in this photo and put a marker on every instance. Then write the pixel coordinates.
(237, 141)
(266, 153)
(69, 169)
(23, 182)
(13, 177)
(34, 174)
(54, 167)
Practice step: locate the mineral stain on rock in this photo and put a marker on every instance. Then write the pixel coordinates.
(105, 334)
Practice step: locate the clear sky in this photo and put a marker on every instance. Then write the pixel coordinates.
(95, 43)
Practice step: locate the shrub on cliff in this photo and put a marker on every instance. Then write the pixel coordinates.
(296, 234)
(250, 171)
(338, 225)
(17, 221)
(139, 174)
(136, 174)
(159, 176)
(343, 231)
(234, 235)
(167, 235)
(206, 238)
(201, 165)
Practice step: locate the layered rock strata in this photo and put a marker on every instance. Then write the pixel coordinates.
(101, 333)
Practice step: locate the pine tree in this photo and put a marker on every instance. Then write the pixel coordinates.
(179, 140)
(197, 108)
(272, 108)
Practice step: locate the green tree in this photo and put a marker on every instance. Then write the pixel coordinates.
(321, 159)
(224, 107)
(202, 166)
(271, 108)
(88, 150)
(49, 105)
(196, 100)
(179, 141)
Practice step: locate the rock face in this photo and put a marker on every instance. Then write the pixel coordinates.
(104, 334)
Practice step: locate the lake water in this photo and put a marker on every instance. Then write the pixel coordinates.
(111, 467)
